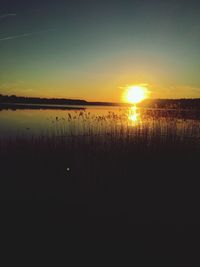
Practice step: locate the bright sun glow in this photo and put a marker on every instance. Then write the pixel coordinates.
(135, 94)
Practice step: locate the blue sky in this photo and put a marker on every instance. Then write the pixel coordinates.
(92, 49)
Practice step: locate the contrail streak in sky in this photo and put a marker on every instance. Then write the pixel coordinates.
(3, 16)
(23, 35)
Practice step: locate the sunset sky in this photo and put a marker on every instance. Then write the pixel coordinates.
(91, 49)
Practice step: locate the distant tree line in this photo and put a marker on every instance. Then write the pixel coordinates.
(13, 99)
(36, 100)
(149, 103)
(184, 103)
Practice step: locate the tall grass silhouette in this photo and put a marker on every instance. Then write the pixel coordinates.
(108, 165)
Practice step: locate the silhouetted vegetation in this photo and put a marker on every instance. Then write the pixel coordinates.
(172, 103)
(49, 101)
(148, 103)
(36, 100)
(15, 106)
(142, 174)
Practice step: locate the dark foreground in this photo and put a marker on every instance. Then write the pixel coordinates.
(103, 186)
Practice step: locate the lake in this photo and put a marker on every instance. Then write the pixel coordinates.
(99, 120)
(102, 162)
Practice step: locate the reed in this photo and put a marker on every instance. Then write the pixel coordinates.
(111, 165)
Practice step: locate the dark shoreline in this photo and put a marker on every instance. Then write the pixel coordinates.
(178, 104)
(127, 178)
(16, 106)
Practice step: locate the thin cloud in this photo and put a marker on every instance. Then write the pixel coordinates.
(15, 36)
(3, 16)
(23, 35)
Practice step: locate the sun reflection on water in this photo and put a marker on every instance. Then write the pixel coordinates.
(134, 115)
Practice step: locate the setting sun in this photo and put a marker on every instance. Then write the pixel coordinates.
(135, 94)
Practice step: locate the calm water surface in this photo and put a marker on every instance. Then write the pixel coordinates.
(29, 122)
(92, 120)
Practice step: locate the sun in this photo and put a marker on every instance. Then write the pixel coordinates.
(135, 94)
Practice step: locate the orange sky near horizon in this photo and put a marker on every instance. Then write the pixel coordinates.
(110, 91)
(92, 50)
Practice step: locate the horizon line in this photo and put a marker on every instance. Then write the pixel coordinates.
(99, 101)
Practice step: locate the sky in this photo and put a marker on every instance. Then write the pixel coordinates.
(89, 49)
